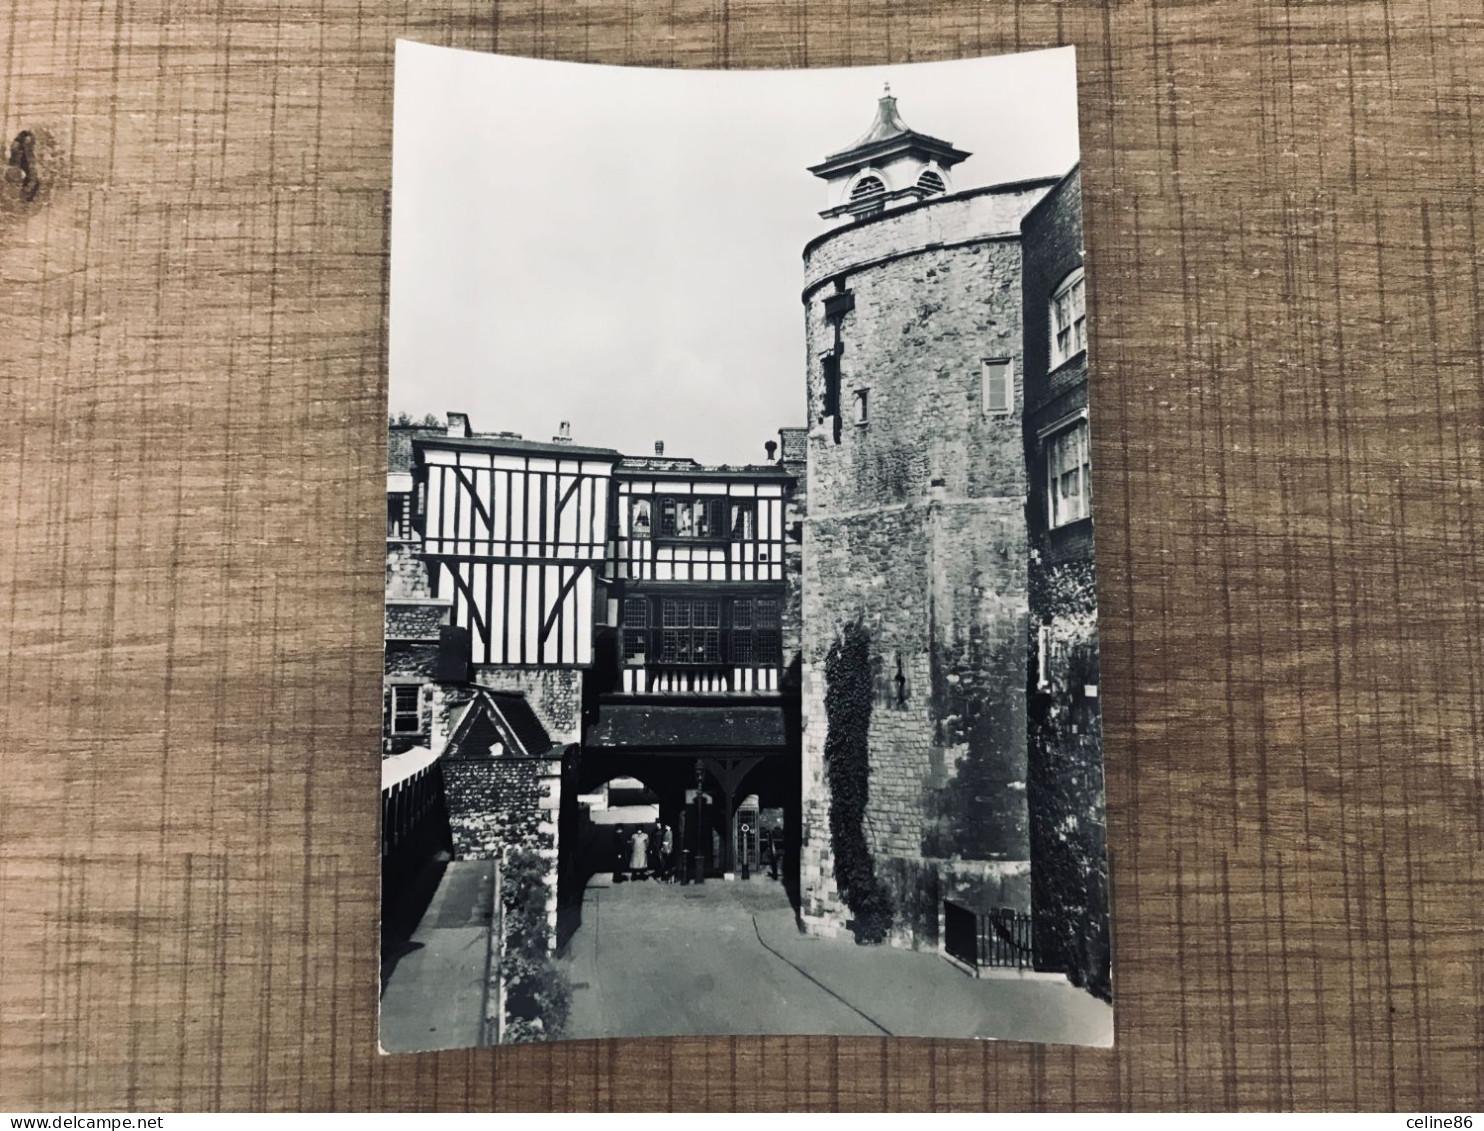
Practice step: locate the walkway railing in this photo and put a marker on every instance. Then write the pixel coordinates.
(1003, 938)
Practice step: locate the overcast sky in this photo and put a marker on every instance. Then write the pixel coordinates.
(622, 247)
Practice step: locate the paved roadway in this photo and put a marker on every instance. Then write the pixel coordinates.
(655, 960)
(660, 960)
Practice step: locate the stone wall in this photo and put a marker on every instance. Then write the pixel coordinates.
(969, 215)
(555, 694)
(499, 801)
(916, 527)
(1069, 851)
(406, 574)
(795, 508)
(502, 802)
(419, 621)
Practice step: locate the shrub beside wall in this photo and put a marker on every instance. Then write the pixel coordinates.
(538, 995)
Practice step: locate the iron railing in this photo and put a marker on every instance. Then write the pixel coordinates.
(1002, 938)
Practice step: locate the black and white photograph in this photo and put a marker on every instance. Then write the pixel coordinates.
(741, 638)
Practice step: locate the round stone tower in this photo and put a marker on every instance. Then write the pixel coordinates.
(916, 527)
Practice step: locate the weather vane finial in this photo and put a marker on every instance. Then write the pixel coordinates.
(888, 90)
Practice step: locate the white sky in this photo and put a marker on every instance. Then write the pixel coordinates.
(622, 247)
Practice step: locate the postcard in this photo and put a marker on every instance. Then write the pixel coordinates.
(741, 669)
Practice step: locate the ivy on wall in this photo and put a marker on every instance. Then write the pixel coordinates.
(538, 995)
(847, 706)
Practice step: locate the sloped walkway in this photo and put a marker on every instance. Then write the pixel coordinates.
(917, 994)
(660, 960)
(726, 958)
(435, 985)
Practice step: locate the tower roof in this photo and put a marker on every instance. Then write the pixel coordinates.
(887, 137)
(887, 124)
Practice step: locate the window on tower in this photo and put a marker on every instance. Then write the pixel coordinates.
(867, 187)
(931, 182)
(997, 382)
(831, 365)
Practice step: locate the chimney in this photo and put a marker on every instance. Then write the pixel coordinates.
(794, 444)
(564, 433)
(771, 447)
(458, 425)
(659, 447)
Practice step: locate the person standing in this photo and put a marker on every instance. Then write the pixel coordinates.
(667, 852)
(639, 853)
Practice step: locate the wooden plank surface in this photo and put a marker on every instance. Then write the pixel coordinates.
(1282, 220)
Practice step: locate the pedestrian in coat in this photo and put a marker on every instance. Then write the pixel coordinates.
(639, 852)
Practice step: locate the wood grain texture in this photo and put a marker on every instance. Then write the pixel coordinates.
(1282, 220)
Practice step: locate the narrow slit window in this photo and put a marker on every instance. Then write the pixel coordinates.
(831, 367)
(861, 407)
(744, 522)
(639, 518)
(635, 630)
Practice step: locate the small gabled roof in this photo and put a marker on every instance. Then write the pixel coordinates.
(510, 716)
(521, 717)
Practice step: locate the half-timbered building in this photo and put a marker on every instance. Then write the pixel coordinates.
(514, 534)
(697, 573)
(697, 701)
(647, 607)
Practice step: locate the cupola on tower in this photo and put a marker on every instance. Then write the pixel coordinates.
(886, 166)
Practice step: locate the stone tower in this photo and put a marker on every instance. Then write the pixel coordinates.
(916, 525)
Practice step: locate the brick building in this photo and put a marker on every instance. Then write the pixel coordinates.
(1069, 889)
